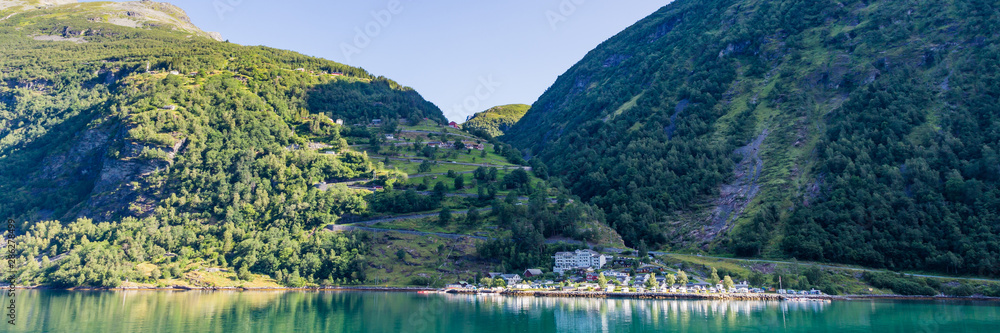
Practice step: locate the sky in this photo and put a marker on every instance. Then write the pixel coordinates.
(465, 56)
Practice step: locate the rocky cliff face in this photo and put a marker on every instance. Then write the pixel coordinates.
(117, 179)
(128, 184)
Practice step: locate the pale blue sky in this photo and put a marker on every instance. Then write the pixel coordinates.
(445, 49)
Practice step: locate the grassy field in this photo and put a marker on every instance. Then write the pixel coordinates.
(410, 260)
(444, 154)
(431, 224)
(201, 276)
(849, 280)
(413, 168)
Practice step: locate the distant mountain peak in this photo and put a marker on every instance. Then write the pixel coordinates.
(133, 14)
(496, 120)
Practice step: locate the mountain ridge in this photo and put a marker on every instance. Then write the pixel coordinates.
(133, 146)
(740, 127)
(496, 120)
(135, 14)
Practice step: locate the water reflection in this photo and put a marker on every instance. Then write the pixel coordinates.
(143, 311)
(605, 315)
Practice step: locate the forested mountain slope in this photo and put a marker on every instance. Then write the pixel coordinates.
(496, 120)
(129, 136)
(849, 131)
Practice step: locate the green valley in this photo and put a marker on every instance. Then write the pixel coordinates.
(834, 144)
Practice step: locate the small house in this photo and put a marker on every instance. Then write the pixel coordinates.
(532, 272)
(473, 145)
(511, 279)
(438, 144)
(647, 269)
(521, 286)
(615, 274)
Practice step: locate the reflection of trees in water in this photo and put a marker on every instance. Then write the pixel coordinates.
(204, 311)
(151, 311)
(603, 314)
(707, 307)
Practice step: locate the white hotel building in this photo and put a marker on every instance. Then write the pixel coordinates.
(565, 261)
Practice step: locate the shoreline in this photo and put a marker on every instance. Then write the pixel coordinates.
(539, 293)
(742, 296)
(187, 288)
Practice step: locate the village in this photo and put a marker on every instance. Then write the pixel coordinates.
(589, 271)
(428, 152)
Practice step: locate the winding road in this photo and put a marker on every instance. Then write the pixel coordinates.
(416, 216)
(440, 133)
(420, 160)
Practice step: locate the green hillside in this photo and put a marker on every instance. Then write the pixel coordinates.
(863, 132)
(495, 121)
(135, 147)
(139, 151)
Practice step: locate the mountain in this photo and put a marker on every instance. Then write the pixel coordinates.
(862, 132)
(133, 145)
(496, 120)
(146, 14)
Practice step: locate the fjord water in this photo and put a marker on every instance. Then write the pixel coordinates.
(193, 311)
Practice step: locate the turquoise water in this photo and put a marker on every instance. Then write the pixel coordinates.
(195, 311)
